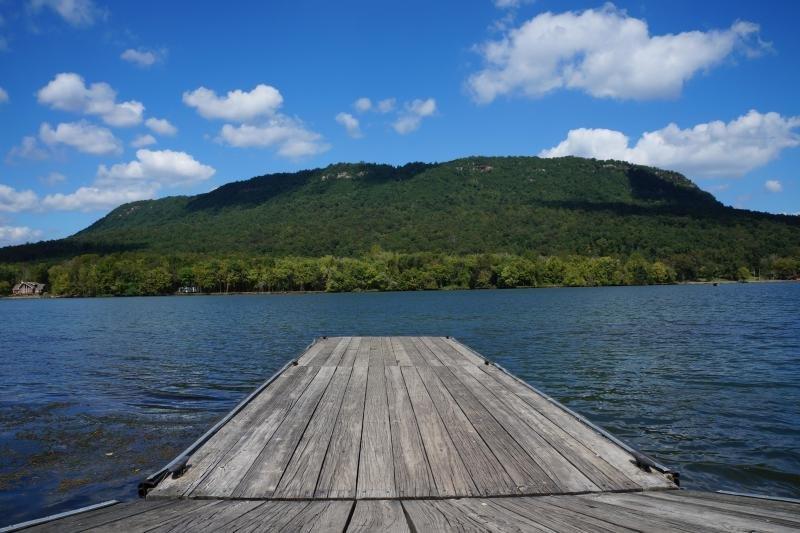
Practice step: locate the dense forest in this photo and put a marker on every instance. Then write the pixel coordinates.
(133, 274)
(469, 223)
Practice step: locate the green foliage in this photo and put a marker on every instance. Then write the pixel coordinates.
(476, 222)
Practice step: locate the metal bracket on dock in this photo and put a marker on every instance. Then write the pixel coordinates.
(641, 460)
(180, 464)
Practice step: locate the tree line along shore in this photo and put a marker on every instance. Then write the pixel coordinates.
(139, 274)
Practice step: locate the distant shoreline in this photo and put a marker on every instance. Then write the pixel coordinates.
(454, 289)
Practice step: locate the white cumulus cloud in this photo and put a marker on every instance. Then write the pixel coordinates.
(166, 167)
(289, 135)
(350, 123)
(773, 186)
(603, 52)
(28, 148)
(143, 140)
(68, 92)
(98, 198)
(3, 96)
(142, 58)
(363, 104)
(161, 126)
(237, 105)
(413, 114)
(13, 201)
(82, 136)
(713, 149)
(54, 178)
(18, 234)
(387, 105)
(78, 13)
(135, 180)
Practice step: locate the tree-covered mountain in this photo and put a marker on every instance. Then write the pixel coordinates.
(516, 205)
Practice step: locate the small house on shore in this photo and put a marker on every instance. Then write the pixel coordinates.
(189, 289)
(28, 288)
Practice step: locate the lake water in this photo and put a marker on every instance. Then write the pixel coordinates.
(98, 393)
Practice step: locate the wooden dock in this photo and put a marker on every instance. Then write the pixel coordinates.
(415, 434)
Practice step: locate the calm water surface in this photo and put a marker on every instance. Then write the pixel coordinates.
(98, 393)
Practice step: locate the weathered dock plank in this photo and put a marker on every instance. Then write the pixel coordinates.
(681, 511)
(375, 466)
(403, 417)
(417, 434)
(385, 516)
(339, 474)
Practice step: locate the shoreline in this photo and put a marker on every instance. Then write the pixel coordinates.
(300, 293)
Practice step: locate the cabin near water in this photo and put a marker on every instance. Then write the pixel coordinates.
(28, 288)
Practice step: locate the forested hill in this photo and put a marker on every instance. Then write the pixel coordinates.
(516, 205)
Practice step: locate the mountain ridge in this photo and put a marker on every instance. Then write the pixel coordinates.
(518, 205)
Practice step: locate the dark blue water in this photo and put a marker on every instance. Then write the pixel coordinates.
(98, 393)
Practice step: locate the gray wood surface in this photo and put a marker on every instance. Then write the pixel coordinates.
(412, 472)
(268, 466)
(225, 458)
(376, 467)
(527, 474)
(339, 474)
(402, 417)
(449, 472)
(599, 445)
(299, 479)
(595, 468)
(384, 516)
(652, 511)
(565, 477)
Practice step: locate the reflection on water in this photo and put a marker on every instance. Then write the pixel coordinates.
(99, 393)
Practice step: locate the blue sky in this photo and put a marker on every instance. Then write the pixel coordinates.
(102, 103)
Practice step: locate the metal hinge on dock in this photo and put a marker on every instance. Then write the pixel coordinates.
(175, 469)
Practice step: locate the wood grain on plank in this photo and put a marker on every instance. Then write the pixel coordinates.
(470, 354)
(440, 515)
(320, 349)
(488, 474)
(376, 469)
(446, 357)
(448, 469)
(231, 448)
(349, 355)
(211, 518)
(300, 477)
(600, 472)
(385, 516)
(609, 451)
(686, 512)
(566, 476)
(335, 358)
(268, 466)
(627, 518)
(320, 517)
(106, 515)
(362, 355)
(411, 470)
(524, 470)
(411, 351)
(339, 475)
(271, 515)
(754, 512)
(493, 516)
(400, 353)
(161, 516)
(427, 355)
